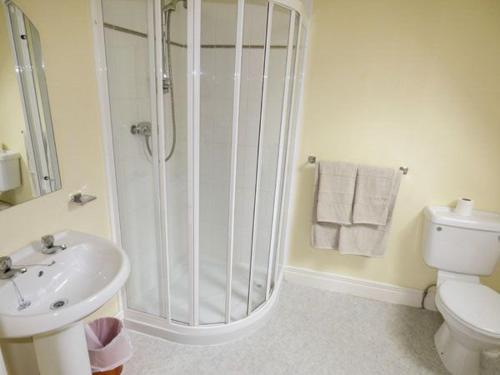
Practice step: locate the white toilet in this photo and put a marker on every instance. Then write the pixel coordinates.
(463, 248)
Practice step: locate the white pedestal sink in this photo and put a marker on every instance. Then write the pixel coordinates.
(49, 301)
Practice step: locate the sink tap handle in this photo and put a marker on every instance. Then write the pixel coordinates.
(6, 269)
(48, 241)
(5, 264)
(48, 245)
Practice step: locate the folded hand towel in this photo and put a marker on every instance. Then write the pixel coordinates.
(362, 239)
(374, 187)
(333, 196)
(325, 235)
(369, 239)
(335, 183)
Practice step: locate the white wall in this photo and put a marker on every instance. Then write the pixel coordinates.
(394, 83)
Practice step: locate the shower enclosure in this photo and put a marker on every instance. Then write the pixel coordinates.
(200, 104)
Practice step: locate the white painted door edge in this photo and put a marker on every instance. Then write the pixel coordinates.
(3, 369)
(359, 287)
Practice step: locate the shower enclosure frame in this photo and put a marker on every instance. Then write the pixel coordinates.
(163, 326)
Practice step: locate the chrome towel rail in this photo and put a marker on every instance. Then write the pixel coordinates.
(311, 159)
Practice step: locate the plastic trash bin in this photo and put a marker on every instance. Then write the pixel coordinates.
(109, 346)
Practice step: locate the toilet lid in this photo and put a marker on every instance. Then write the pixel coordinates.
(475, 304)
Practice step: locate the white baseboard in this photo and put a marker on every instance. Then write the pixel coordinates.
(359, 287)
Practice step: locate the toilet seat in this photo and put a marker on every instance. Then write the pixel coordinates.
(474, 305)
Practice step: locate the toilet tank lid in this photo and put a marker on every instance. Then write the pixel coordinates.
(8, 155)
(479, 220)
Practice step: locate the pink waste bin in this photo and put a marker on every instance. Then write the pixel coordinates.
(109, 346)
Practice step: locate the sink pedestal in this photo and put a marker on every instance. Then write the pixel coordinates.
(63, 352)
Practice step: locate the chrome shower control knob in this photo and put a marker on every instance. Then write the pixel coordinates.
(142, 128)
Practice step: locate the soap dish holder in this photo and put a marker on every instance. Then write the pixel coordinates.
(82, 199)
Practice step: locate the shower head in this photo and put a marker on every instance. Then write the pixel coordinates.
(172, 4)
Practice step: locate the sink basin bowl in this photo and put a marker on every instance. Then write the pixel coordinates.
(61, 288)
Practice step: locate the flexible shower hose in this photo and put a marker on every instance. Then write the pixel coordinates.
(166, 40)
(171, 78)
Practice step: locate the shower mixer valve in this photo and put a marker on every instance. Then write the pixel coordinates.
(142, 128)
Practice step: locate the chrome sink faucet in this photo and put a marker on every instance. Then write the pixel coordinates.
(48, 246)
(6, 269)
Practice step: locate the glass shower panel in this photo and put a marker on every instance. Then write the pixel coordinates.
(270, 133)
(286, 131)
(217, 58)
(299, 79)
(175, 94)
(252, 71)
(126, 36)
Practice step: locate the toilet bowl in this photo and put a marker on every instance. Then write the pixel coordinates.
(472, 325)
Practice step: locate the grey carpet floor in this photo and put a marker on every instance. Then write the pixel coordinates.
(311, 332)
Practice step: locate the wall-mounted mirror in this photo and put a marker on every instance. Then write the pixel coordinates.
(28, 157)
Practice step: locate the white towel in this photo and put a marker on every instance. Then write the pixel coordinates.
(368, 239)
(374, 189)
(362, 239)
(333, 197)
(325, 235)
(335, 183)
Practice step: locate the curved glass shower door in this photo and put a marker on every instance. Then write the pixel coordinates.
(203, 99)
(246, 68)
(128, 41)
(217, 59)
(175, 48)
(273, 127)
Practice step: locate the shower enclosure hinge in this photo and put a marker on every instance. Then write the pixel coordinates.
(166, 85)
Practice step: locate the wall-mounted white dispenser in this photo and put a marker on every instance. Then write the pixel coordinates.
(10, 170)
